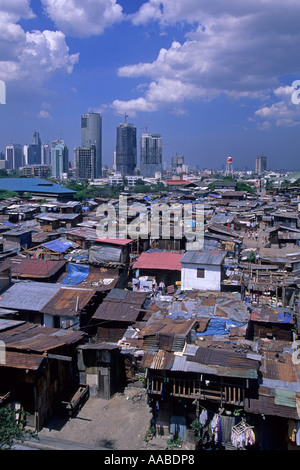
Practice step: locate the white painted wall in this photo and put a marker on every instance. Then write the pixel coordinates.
(211, 281)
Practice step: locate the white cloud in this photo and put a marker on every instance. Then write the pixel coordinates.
(48, 51)
(235, 48)
(281, 113)
(83, 19)
(43, 114)
(33, 56)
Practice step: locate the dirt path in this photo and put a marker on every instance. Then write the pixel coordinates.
(119, 423)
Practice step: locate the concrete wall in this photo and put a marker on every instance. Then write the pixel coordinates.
(211, 280)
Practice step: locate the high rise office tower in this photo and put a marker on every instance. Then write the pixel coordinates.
(85, 162)
(45, 154)
(91, 134)
(126, 150)
(14, 156)
(34, 150)
(59, 158)
(260, 164)
(177, 162)
(150, 154)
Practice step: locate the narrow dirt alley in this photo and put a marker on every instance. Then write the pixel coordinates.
(120, 423)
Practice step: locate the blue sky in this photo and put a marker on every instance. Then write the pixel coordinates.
(214, 78)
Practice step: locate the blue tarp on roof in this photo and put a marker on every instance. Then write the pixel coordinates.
(58, 245)
(220, 326)
(284, 317)
(77, 273)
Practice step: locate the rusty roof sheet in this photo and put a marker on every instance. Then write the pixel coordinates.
(37, 338)
(169, 326)
(17, 360)
(159, 260)
(120, 305)
(35, 268)
(68, 301)
(224, 358)
(162, 360)
(278, 367)
(265, 404)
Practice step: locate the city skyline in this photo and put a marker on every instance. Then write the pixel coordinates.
(213, 80)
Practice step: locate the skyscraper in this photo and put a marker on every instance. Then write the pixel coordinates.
(14, 156)
(126, 150)
(85, 162)
(34, 150)
(177, 163)
(91, 134)
(150, 154)
(59, 158)
(260, 164)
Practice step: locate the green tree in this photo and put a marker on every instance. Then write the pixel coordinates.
(285, 184)
(13, 428)
(241, 186)
(7, 194)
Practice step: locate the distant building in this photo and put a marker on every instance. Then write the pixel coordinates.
(260, 164)
(177, 163)
(46, 157)
(126, 149)
(150, 154)
(37, 187)
(117, 179)
(91, 135)
(59, 158)
(42, 171)
(14, 156)
(85, 162)
(34, 150)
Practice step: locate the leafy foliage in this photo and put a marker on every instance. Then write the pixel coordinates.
(13, 428)
(7, 194)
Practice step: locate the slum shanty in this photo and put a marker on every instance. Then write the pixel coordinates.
(210, 332)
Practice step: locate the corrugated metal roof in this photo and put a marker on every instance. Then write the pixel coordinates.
(17, 360)
(225, 358)
(38, 268)
(279, 368)
(123, 309)
(68, 301)
(7, 324)
(28, 295)
(162, 360)
(159, 260)
(105, 254)
(265, 405)
(37, 338)
(203, 257)
(114, 241)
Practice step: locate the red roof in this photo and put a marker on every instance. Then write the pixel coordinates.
(159, 260)
(114, 241)
(38, 268)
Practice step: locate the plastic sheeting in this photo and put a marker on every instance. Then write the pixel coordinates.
(60, 246)
(105, 254)
(220, 326)
(77, 273)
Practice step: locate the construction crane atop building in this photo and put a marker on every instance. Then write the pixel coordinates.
(125, 116)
